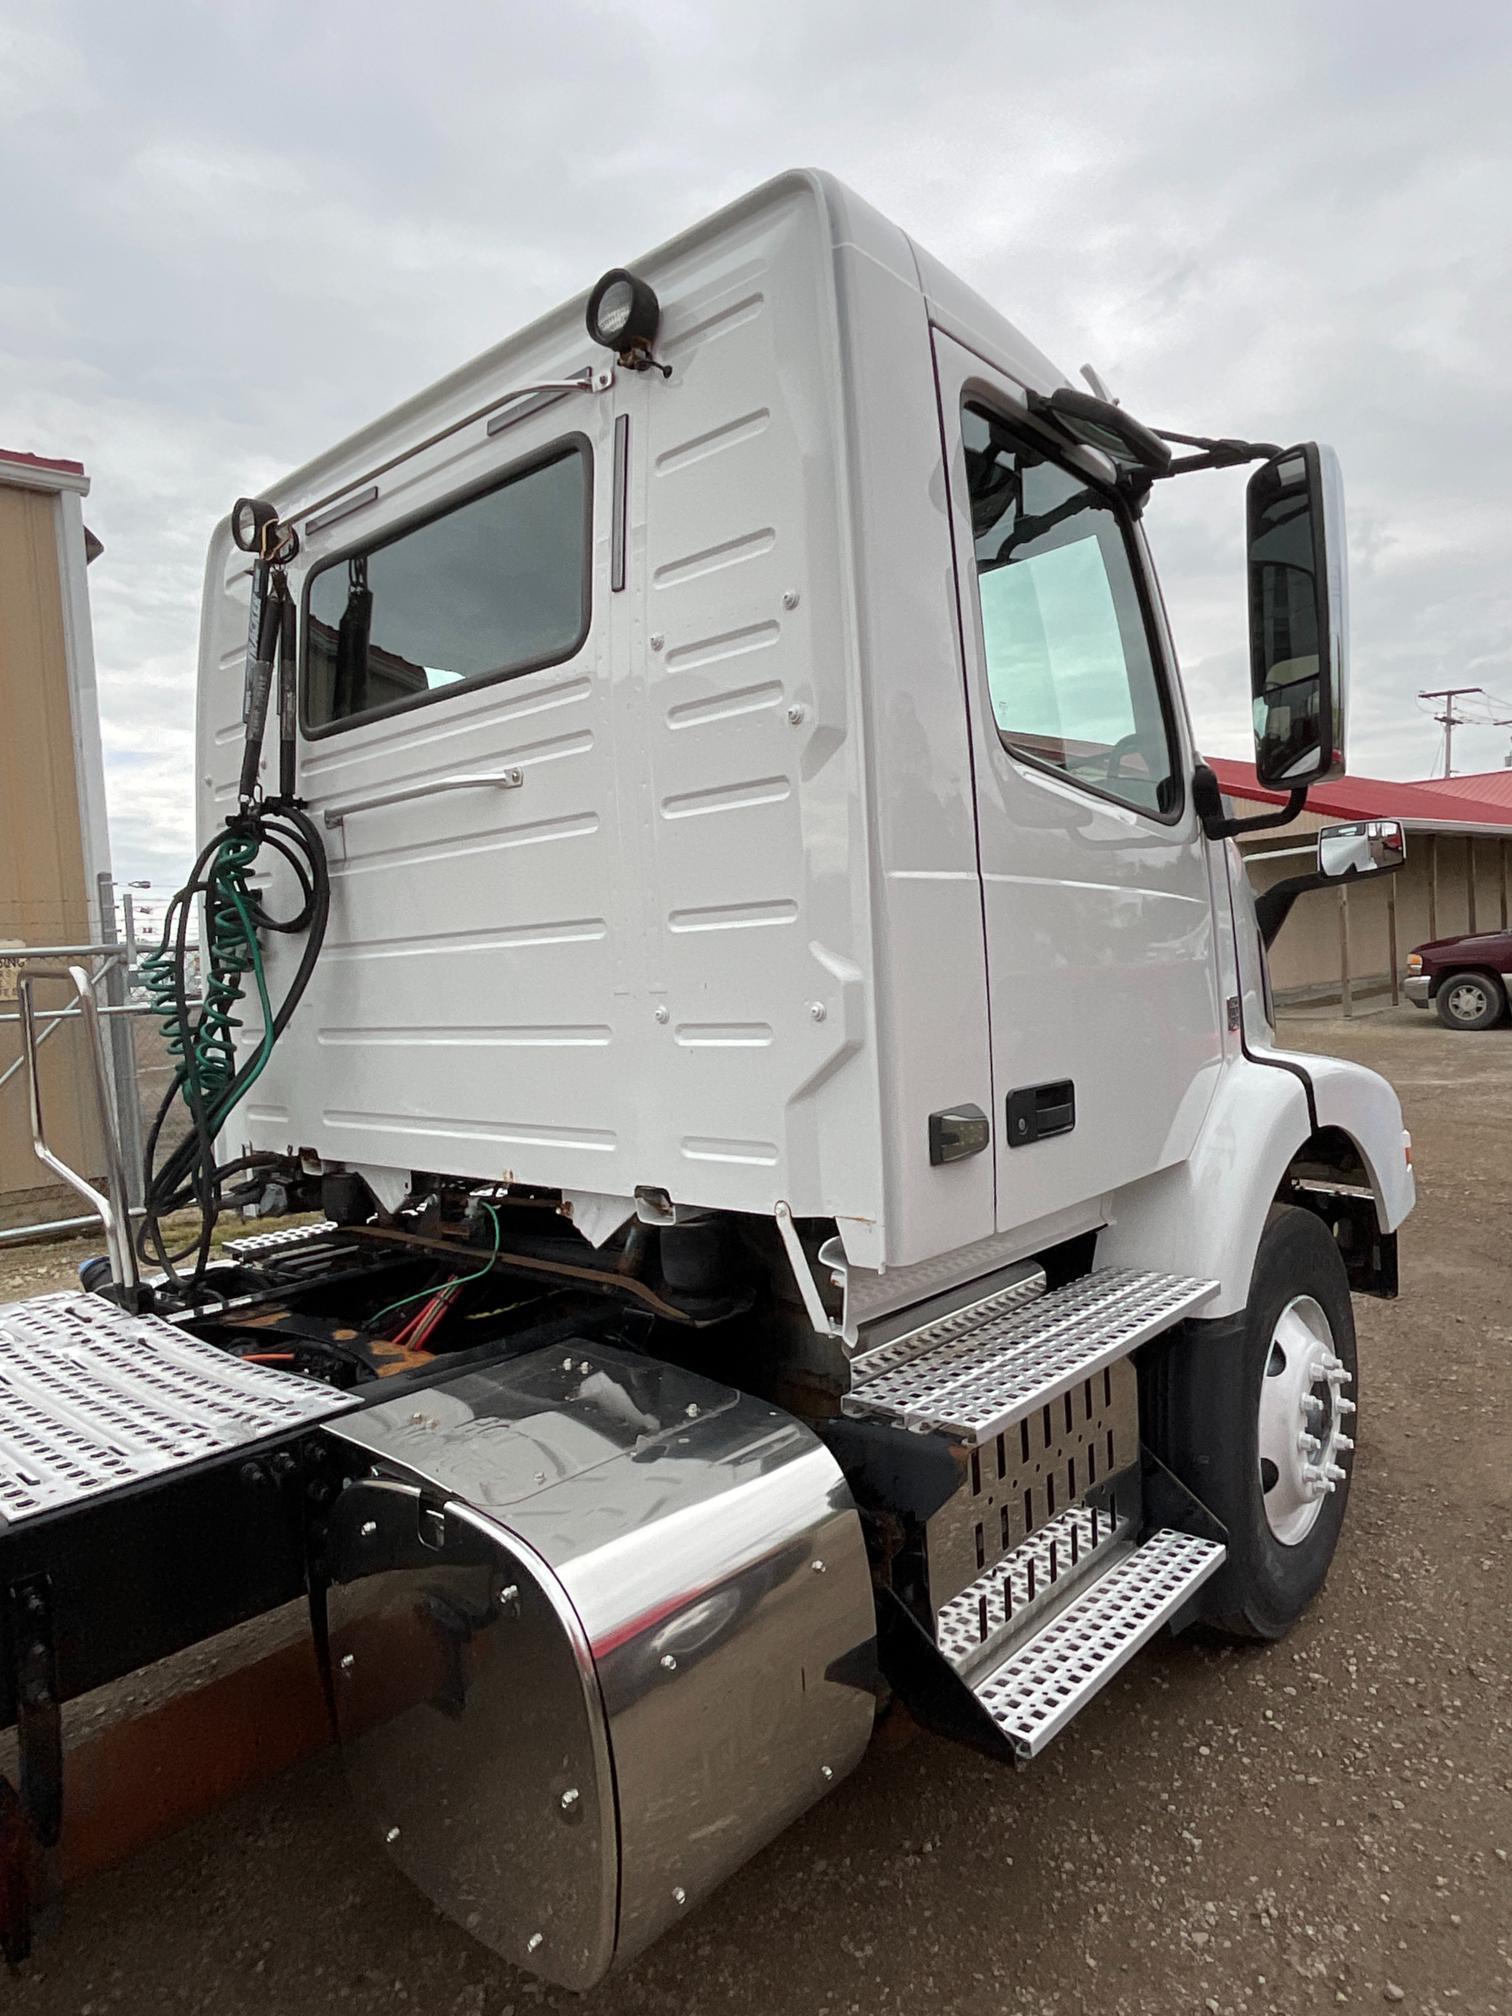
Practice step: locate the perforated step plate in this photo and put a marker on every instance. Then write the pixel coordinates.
(973, 1384)
(93, 1400)
(1035, 1692)
(255, 1244)
(1061, 1554)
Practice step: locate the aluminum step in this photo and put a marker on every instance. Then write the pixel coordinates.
(1035, 1692)
(1040, 1572)
(255, 1244)
(976, 1382)
(93, 1399)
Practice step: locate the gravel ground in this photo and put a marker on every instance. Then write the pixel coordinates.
(1319, 1824)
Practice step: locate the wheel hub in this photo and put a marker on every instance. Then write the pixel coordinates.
(1303, 1412)
(1467, 1001)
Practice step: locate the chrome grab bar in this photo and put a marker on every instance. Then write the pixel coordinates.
(111, 1205)
(502, 780)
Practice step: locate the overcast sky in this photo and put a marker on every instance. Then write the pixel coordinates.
(233, 233)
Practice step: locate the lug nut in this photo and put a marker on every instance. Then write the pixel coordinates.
(1334, 1473)
(1343, 1406)
(1308, 1445)
(1343, 1442)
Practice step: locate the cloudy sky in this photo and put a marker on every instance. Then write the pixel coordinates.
(233, 233)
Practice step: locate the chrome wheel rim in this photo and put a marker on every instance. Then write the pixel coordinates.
(1466, 1002)
(1303, 1413)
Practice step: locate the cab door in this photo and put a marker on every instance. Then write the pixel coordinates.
(1102, 975)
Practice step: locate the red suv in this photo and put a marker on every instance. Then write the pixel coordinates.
(1466, 978)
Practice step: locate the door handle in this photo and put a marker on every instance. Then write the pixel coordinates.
(1038, 1112)
(500, 780)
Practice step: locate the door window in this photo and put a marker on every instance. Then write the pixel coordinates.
(492, 587)
(1070, 666)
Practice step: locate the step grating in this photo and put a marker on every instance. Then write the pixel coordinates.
(872, 1359)
(1054, 1554)
(256, 1243)
(93, 1399)
(976, 1383)
(1037, 1690)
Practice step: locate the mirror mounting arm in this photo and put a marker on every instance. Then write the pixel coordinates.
(1273, 905)
(1226, 453)
(1208, 799)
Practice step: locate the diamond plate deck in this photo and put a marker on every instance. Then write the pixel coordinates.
(1037, 1690)
(978, 1382)
(93, 1399)
(1006, 1592)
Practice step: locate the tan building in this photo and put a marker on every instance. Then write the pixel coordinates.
(1345, 943)
(54, 845)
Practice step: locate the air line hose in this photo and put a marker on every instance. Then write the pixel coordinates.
(203, 1048)
(201, 1033)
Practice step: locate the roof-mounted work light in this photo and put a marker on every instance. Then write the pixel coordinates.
(624, 315)
(250, 516)
(255, 529)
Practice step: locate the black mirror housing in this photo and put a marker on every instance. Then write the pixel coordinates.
(1298, 616)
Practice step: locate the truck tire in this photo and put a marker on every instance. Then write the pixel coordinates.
(1469, 1001)
(1232, 1402)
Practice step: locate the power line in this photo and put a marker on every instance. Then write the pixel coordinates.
(1490, 713)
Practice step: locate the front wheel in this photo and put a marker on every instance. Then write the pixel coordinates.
(1254, 1416)
(1469, 1001)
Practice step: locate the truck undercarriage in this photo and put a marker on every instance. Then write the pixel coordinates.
(560, 1571)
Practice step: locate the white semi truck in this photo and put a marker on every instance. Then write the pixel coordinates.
(733, 933)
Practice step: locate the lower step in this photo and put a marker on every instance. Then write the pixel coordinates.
(1035, 1692)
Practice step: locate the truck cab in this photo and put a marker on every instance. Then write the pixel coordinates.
(749, 961)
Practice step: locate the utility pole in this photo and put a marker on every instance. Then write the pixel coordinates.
(1449, 720)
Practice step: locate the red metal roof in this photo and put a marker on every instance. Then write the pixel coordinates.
(1491, 787)
(1437, 802)
(42, 461)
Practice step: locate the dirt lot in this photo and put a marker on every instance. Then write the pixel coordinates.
(1324, 1823)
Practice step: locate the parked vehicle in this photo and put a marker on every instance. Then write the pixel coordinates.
(1466, 978)
(815, 1213)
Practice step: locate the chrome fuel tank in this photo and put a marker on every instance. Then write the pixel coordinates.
(599, 1629)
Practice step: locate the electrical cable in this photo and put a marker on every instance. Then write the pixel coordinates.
(461, 1281)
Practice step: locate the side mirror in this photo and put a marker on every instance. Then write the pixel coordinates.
(1368, 847)
(1345, 853)
(1298, 616)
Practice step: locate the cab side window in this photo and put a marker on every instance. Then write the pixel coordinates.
(489, 588)
(1070, 665)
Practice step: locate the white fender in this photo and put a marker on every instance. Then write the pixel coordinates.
(1204, 1217)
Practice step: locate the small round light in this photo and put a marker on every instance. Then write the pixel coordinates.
(249, 515)
(623, 313)
(614, 308)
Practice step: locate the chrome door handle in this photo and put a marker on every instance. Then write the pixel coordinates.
(500, 780)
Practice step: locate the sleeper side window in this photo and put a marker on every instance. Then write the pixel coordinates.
(494, 586)
(1070, 666)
